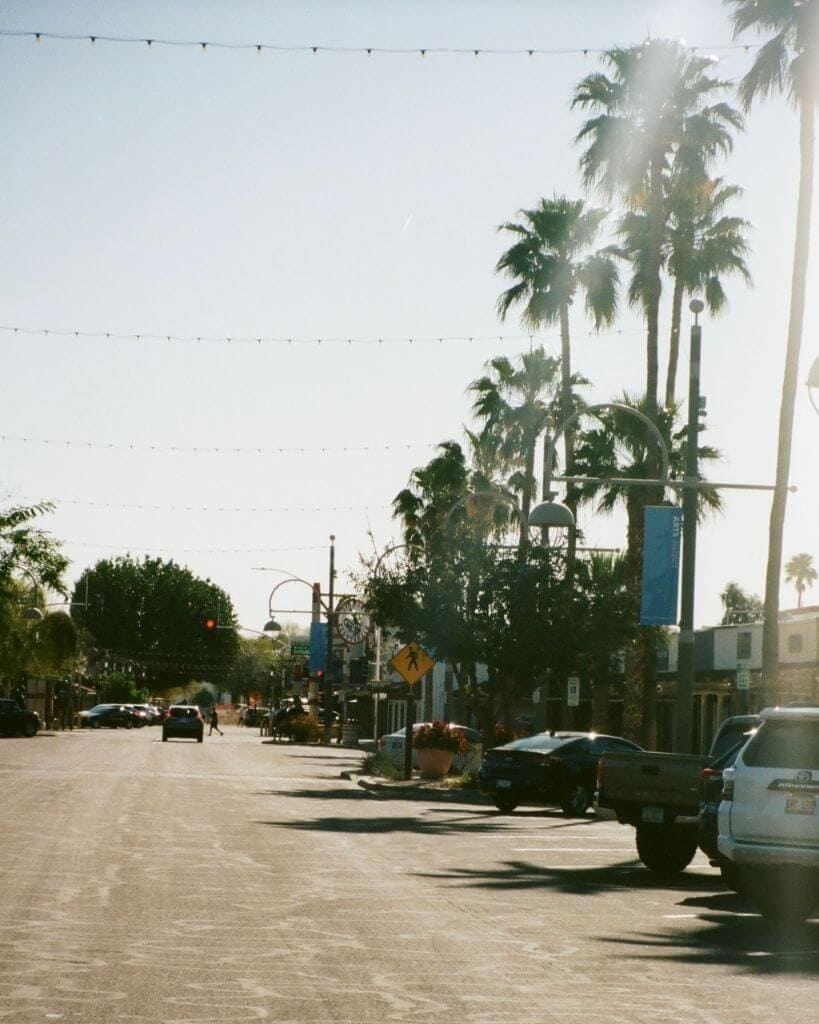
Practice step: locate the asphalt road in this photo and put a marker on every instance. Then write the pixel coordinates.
(233, 881)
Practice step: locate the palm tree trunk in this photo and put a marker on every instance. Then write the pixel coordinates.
(654, 286)
(674, 343)
(526, 498)
(568, 434)
(770, 632)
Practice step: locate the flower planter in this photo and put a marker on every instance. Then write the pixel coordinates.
(434, 764)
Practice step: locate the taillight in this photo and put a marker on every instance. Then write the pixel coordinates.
(601, 764)
(707, 775)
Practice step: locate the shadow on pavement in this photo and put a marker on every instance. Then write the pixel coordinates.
(379, 825)
(515, 875)
(541, 813)
(735, 938)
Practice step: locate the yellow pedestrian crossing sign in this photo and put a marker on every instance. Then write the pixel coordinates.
(411, 663)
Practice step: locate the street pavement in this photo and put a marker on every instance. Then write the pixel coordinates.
(237, 880)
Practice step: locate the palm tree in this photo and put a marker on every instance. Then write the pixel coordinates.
(653, 114)
(621, 447)
(799, 570)
(550, 262)
(702, 245)
(787, 62)
(739, 606)
(515, 403)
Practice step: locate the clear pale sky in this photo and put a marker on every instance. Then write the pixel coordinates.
(224, 193)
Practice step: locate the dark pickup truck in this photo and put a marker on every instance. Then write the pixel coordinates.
(659, 794)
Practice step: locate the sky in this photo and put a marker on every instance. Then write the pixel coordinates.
(215, 193)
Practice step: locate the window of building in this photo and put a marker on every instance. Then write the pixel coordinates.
(743, 646)
(795, 643)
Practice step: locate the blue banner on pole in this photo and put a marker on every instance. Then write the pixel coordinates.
(661, 565)
(318, 647)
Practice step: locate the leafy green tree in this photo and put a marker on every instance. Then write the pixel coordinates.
(788, 62)
(653, 113)
(152, 612)
(120, 688)
(26, 549)
(258, 666)
(739, 607)
(551, 261)
(621, 447)
(799, 570)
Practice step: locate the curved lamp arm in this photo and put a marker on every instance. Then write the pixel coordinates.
(290, 579)
(594, 410)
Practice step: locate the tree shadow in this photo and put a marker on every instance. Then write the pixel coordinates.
(380, 825)
(733, 936)
(583, 881)
(540, 814)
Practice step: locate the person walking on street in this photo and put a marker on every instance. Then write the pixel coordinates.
(213, 719)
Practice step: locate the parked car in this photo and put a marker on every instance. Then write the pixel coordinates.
(109, 716)
(768, 821)
(392, 745)
(184, 721)
(547, 768)
(14, 719)
(707, 826)
(152, 715)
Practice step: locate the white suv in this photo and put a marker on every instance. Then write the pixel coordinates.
(768, 818)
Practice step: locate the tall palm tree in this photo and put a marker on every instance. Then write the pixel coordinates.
(654, 113)
(702, 245)
(787, 62)
(515, 402)
(799, 570)
(621, 447)
(551, 261)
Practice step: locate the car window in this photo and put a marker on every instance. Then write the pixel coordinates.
(784, 744)
(542, 741)
(183, 712)
(6, 706)
(623, 746)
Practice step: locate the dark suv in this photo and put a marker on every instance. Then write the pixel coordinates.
(185, 721)
(14, 719)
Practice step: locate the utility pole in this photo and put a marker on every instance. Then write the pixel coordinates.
(328, 669)
(684, 710)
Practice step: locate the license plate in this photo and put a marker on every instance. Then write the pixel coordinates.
(798, 803)
(653, 815)
(503, 784)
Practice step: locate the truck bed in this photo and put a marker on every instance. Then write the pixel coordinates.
(649, 787)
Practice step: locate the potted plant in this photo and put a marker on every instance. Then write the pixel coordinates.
(436, 744)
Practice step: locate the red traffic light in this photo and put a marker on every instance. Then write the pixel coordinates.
(210, 625)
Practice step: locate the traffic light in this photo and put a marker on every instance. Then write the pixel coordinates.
(209, 625)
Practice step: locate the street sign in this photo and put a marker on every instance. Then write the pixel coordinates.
(300, 648)
(573, 692)
(743, 677)
(411, 663)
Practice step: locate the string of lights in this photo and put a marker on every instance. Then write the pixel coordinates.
(419, 51)
(185, 551)
(464, 339)
(195, 450)
(209, 508)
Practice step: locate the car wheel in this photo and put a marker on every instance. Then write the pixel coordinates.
(731, 875)
(96, 724)
(505, 806)
(164, 738)
(575, 801)
(128, 723)
(30, 729)
(665, 849)
(199, 739)
(781, 897)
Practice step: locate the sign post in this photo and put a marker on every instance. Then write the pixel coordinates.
(411, 663)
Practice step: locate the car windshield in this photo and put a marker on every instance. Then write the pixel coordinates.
(183, 712)
(785, 744)
(542, 741)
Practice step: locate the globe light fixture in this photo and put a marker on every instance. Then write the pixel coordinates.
(551, 513)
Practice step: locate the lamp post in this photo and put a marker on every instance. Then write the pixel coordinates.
(328, 669)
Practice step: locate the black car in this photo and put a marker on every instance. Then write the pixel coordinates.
(14, 719)
(108, 716)
(184, 721)
(549, 768)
